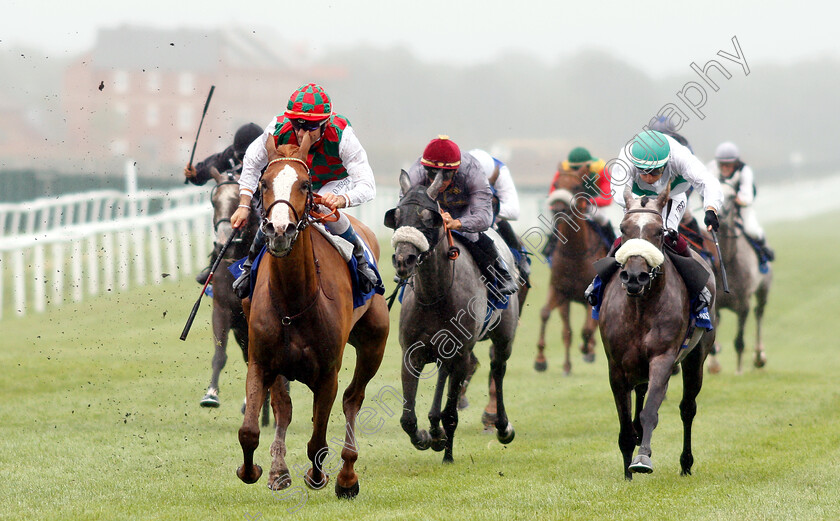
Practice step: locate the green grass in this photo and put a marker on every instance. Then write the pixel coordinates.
(99, 419)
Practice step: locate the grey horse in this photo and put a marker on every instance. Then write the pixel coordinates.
(745, 280)
(443, 315)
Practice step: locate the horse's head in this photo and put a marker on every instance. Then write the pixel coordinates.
(729, 210)
(569, 195)
(417, 225)
(642, 237)
(287, 196)
(225, 199)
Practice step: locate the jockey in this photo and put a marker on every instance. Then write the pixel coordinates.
(466, 200)
(596, 185)
(228, 160)
(729, 168)
(339, 168)
(653, 161)
(664, 125)
(505, 203)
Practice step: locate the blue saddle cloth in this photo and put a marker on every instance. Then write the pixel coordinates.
(359, 298)
(763, 261)
(698, 319)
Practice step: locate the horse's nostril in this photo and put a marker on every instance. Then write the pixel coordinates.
(624, 276)
(644, 278)
(411, 259)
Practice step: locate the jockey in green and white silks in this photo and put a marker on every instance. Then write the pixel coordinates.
(651, 162)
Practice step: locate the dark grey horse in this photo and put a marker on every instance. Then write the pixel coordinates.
(443, 315)
(644, 322)
(227, 307)
(744, 277)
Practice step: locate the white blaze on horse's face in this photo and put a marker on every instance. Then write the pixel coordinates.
(281, 187)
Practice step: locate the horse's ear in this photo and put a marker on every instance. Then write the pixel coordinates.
(305, 145)
(270, 149)
(432, 191)
(215, 174)
(662, 199)
(628, 195)
(405, 182)
(391, 219)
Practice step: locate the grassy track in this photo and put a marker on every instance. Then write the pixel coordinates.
(99, 419)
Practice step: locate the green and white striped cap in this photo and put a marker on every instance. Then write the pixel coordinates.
(650, 150)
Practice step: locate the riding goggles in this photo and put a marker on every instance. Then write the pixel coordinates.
(309, 126)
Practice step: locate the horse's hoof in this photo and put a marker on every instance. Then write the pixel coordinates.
(281, 482)
(541, 367)
(211, 399)
(641, 465)
(760, 360)
(507, 435)
(307, 478)
(438, 444)
(447, 459)
(463, 403)
(488, 419)
(714, 366)
(589, 357)
(251, 478)
(424, 441)
(244, 403)
(347, 493)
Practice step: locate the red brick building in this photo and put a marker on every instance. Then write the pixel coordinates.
(139, 93)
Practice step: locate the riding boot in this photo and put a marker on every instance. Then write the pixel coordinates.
(509, 236)
(766, 251)
(204, 274)
(492, 266)
(368, 280)
(242, 284)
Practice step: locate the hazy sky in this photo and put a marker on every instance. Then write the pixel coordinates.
(657, 37)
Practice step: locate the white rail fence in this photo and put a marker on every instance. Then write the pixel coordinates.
(86, 244)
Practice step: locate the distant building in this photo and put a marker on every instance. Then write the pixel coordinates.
(140, 92)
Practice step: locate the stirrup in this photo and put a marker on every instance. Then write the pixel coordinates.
(242, 284)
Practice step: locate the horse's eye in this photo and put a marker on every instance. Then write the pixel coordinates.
(305, 186)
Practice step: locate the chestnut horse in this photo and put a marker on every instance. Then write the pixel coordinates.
(300, 317)
(577, 249)
(644, 322)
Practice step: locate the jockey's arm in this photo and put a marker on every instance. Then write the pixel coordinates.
(745, 195)
(355, 161)
(506, 192)
(256, 158)
(479, 216)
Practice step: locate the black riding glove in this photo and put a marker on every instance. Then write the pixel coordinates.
(711, 220)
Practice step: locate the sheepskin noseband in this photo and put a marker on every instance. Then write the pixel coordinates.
(412, 236)
(632, 247)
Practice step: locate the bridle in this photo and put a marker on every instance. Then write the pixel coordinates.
(301, 221)
(656, 271)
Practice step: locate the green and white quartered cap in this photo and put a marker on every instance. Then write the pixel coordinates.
(650, 150)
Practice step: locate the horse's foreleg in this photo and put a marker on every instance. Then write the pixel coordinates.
(626, 435)
(324, 391)
(449, 416)
(279, 477)
(692, 381)
(412, 368)
(761, 302)
(221, 328)
(370, 346)
(641, 391)
(659, 375)
(249, 433)
(498, 366)
(437, 434)
(588, 335)
(540, 363)
(739, 338)
(490, 414)
(567, 336)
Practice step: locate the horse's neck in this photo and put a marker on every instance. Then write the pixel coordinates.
(575, 233)
(295, 274)
(729, 237)
(434, 274)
